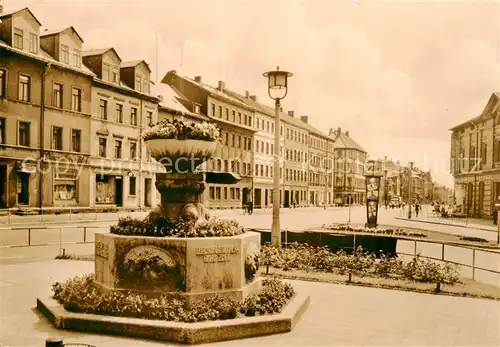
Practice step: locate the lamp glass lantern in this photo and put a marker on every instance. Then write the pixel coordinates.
(277, 83)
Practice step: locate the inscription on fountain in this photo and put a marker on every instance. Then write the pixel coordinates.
(216, 254)
(101, 250)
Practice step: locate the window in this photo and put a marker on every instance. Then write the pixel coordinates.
(105, 71)
(102, 147)
(77, 57)
(227, 113)
(234, 116)
(76, 99)
(33, 43)
(115, 76)
(118, 149)
(138, 82)
(119, 113)
(24, 134)
(57, 95)
(133, 150)
(18, 38)
(220, 111)
(213, 110)
(57, 138)
(76, 136)
(3, 77)
(145, 88)
(24, 88)
(149, 117)
(212, 193)
(65, 54)
(133, 116)
(196, 109)
(2, 130)
(131, 185)
(103, 109)
(239, 117)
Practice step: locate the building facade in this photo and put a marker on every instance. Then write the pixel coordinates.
(475, 160)
(122, 175)
(350, 159)
(44, 116)
(235, 154)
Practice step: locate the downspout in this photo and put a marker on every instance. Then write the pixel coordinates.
(42, 137)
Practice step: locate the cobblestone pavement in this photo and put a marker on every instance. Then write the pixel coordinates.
(337, 316)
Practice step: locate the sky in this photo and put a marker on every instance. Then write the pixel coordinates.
(396, 74)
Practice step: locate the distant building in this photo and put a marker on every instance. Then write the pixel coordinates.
(475, 159)
(350, 159)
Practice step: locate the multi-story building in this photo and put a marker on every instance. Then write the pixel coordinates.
(263, 149)
(475, 159)
(320, 168)
(391, 182)
(44, 116)
(235, 155)
(122, 174)
(350, 159)
(441, 193)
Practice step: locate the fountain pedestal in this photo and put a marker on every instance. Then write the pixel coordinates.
(181, 196)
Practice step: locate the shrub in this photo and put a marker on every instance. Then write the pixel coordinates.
(377, 230)
(359, 263)
(81, 294)
(160, 226)
(473, 239)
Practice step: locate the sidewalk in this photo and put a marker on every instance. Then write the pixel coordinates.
(471, 223)
(338, 315)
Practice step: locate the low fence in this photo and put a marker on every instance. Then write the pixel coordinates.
(476, 260)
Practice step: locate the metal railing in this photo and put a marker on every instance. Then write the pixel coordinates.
(87, 233)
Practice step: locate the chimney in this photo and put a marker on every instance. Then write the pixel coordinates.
(197, 79)
(222, 86)
(247, 94)
(347, 133)
(339, 130)
(291, 113)
(304, 118)
(253, 97)
(330, 132)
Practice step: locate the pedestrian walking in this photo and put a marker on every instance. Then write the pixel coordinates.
(495, 216)
(417, 208)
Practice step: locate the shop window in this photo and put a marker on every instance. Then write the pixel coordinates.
(65, 187)
(212, 193)
(105, 189)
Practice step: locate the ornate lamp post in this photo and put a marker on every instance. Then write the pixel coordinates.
(277, 90)
(372, 180)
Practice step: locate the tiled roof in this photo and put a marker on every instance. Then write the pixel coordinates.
(171, 100)
(46, 57)
(344, 141)
(8, 14)
(216, 92)
(134, 63)
(58, 31)
(99, 51)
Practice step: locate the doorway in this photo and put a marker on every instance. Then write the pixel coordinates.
(119, 190)
(3, 186)
(287, 199)
(147, 192)
(23, 188)
(258, 198)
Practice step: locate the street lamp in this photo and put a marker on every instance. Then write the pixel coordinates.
(277, 90)
(410, 180)
(385, 188)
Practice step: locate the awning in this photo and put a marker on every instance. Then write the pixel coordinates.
(222, 177)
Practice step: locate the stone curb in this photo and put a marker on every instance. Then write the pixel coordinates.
(445, 224)
(188, 333)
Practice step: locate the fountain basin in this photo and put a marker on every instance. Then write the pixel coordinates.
(195, 267)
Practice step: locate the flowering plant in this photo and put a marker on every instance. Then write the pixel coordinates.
(181, 130)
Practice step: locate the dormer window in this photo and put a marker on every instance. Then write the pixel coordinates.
(105, 71)
(33, 43)
(115, 77)
(18, 38)
(196, 108)
(65, 54)
(146, 86)
(77, 57)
